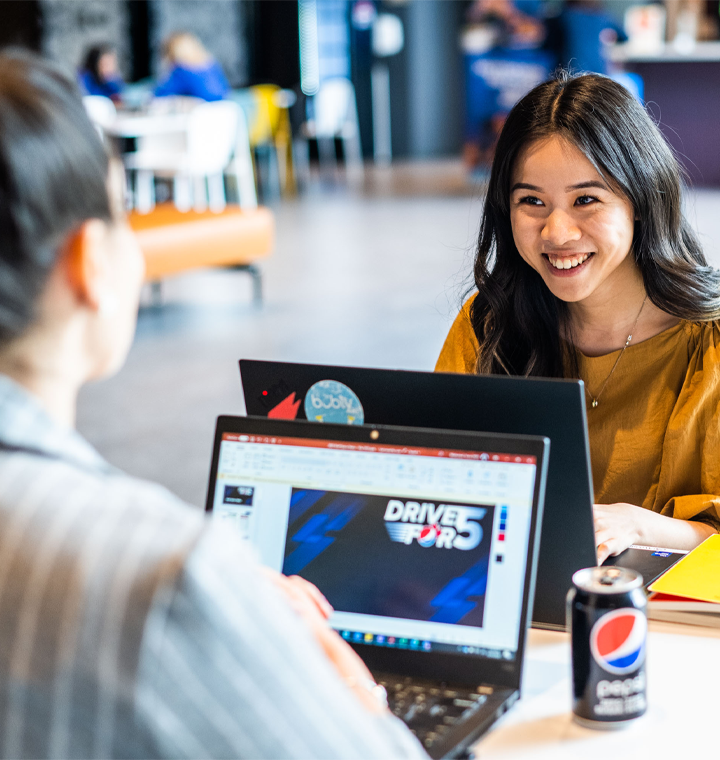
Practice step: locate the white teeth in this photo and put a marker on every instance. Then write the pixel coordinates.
(569, 263)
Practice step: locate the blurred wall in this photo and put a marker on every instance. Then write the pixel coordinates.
(435, 83)
(70, 27)
(427, 85)
(220, 25)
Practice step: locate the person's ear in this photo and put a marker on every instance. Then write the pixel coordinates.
(84, 254)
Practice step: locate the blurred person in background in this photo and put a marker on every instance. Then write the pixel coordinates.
(506, 57)
(100, 74)
(587, 33)
(513, 21)
(192, 71)
(131, 626)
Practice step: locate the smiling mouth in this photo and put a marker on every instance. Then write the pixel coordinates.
(567, 262)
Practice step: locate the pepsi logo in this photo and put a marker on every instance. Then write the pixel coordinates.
(428, 535)
(617, 640)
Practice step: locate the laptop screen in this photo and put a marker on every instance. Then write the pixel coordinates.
(415, 548)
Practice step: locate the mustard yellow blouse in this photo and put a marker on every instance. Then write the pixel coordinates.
(655, 435)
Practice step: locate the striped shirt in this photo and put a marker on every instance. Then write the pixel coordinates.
(132, 627)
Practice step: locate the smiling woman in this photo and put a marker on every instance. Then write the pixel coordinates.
(587, 269)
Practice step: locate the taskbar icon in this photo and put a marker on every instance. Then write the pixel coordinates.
(383, 640)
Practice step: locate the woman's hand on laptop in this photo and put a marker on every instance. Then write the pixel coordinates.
(310, 604)
(618, 526)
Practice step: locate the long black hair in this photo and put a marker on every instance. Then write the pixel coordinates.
(53, 171)
(517, 320)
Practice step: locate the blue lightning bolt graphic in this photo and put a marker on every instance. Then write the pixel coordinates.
(312, 538)
(453, 601)
(301, 501)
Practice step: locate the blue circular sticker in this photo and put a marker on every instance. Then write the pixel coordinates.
(330, 401)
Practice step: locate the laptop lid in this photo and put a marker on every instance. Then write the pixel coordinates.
(552, 408)
(424, 541)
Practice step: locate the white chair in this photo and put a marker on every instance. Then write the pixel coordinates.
(167, 142)
(336, 117)
(240, 166)
(197, 171)
(101, 111)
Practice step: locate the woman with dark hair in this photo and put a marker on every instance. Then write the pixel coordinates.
(131, 626)
(100, 74)
(586, 268)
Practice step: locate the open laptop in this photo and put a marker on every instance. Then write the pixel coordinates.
(424, 542)
(552, 408)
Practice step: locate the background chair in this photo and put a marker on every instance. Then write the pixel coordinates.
(335, 116)
(240, 167)
(197, 171)
(101, 110)
(266, 108)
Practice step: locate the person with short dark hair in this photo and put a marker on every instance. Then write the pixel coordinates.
(100, 74)
(586, 268)
(129, 625)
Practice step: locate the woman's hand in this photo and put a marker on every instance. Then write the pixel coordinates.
(304, 597)
(618, 526)
(309, 603)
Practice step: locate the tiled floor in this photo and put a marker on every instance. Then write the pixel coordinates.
(369, 279)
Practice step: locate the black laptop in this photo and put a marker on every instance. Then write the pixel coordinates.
(552, 408)
(424, 542)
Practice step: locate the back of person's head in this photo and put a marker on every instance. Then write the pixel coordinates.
(612, 129)
(185, 49)
(53, 172)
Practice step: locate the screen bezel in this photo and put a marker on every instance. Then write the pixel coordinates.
(443, 666)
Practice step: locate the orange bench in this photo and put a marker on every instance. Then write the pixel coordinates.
(174, 241)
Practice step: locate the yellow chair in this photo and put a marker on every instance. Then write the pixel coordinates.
(269, 126)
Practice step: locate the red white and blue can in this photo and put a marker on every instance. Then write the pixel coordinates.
(607, 620)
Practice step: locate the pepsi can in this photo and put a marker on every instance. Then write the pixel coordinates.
(606, 616)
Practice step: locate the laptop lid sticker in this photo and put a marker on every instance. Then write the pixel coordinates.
(287, 409)
(331, 401)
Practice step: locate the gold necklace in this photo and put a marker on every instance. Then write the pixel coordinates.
(596, 399)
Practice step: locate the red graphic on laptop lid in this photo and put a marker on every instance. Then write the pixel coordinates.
(287, 409)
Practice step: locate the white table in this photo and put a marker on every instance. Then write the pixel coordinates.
(682, 721)
(162, 132)
(145, 125)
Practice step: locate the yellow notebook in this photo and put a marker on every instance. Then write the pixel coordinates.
(696, 576)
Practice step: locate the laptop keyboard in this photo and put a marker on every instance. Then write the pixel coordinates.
(431, 710)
